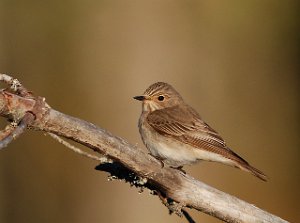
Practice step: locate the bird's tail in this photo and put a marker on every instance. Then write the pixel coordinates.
(244, 165)
(256, 172)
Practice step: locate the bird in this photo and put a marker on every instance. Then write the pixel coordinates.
(175, 134)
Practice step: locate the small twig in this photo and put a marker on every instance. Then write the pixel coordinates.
(188, 216)
(26, 120)
(6, 79)
(15, 85)
(8, 130)
(102, 159)
(12, 132)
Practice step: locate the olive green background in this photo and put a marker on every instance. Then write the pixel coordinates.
(236, 62)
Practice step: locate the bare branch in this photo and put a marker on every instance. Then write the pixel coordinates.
(102, 159)
(15, 85)
(133, 164)
(187, 216)
(7, 130)
(16, 132)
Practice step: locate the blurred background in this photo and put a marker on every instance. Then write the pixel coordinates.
(236, 62)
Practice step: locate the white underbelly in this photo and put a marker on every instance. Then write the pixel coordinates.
(175, 153)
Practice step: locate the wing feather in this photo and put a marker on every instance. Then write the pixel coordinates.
(189, 128)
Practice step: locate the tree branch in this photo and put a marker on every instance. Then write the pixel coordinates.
(15, 132)
(176, 189)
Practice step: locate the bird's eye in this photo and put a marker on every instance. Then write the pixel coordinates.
(161, 98)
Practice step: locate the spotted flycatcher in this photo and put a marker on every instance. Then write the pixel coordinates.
(174, 132)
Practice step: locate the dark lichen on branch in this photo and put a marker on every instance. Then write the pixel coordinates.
(117, 171)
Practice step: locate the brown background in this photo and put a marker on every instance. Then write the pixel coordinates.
(236, 62)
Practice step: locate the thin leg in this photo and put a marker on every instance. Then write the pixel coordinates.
(159, 159)
(180, 169)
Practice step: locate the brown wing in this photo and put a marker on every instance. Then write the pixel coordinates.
(189, 128)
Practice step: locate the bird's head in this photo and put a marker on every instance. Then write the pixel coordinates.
(158, 96)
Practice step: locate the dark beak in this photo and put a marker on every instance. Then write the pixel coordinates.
(140, 98)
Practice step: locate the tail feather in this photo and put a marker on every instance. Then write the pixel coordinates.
(256, 172)
(244, 165)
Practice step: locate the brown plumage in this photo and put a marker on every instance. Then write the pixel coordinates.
(175, 132)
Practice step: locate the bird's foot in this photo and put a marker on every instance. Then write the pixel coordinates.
(180, 169)
(159, 159)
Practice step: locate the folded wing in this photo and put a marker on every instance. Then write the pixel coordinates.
(190, 129)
